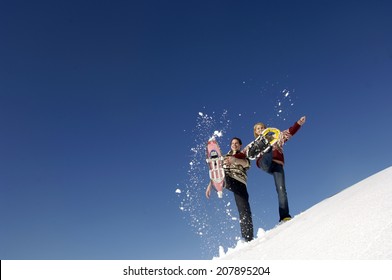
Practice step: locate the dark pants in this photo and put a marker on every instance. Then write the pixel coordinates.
(277, 171)
(241, 197)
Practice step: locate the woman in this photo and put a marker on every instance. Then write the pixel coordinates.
(235, 165)
(272, 162)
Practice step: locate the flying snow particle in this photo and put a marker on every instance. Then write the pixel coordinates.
(216, 134)
(178, 191)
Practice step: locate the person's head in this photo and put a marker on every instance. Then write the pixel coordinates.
(258, 128)
(235, 144)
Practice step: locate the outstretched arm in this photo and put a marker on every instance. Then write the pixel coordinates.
(208, 190)
(288, 133)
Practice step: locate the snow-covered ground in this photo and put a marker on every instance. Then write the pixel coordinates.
(355, 224)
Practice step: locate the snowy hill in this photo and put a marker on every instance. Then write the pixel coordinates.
(354, 224)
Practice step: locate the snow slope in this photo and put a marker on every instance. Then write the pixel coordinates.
(354, 224)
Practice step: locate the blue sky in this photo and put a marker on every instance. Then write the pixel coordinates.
(99, 116)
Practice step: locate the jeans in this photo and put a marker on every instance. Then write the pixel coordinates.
(277, 171)
(241, 197)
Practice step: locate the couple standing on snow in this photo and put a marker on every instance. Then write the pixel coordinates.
(236, 165)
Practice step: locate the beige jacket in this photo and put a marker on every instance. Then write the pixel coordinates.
(237, 171)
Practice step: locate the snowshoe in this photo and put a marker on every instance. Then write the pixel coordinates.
(286, 219)
(260, 145)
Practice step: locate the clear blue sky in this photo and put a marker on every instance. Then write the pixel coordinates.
(99, 113)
